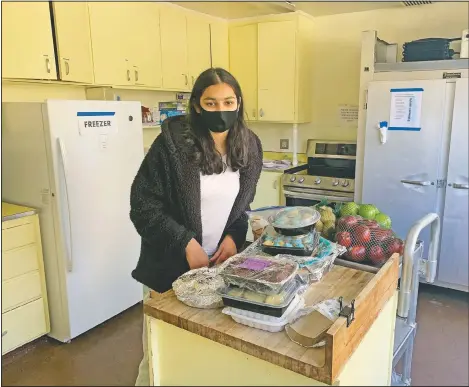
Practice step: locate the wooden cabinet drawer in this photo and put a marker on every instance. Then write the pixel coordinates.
(23, 325)
(20, 290)
(19, 261)
(18, 236)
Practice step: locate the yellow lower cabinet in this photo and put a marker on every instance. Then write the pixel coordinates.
(22, 325)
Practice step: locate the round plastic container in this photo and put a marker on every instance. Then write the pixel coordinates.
(293, 221)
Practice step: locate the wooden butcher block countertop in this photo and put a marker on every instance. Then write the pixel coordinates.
(370, 291)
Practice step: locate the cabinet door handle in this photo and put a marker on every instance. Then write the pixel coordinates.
(261, 112)
(193, 80)
(4, 333)
(136, 75)
(67, 67)
(254, 113)
(48, 69)
(275, 184)
(460, 186)
(186, 79)
(128, 75)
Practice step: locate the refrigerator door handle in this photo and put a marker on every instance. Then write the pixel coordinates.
(65, 169)
(417, 182)
(460, 186)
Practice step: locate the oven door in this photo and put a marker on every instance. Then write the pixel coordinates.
(309, 197)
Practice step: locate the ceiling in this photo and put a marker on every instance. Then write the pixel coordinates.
(236, 10)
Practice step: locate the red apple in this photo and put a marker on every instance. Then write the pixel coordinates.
(346, 222)
(343, 238)
(393, 245)
(356, 253)
(369, 223)
(377, 255)
(361, 234)
(379, 235)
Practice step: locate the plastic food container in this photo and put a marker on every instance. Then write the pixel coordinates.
(264, 322)
(274, 243)
(270, 305)
(259, 274)
(293, 221)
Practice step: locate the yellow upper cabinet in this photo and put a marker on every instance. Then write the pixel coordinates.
(72, 31)
(272, 58)
(243, 65)
(174, 48)
(27, 42)
(145, 45)
(110, 43)
(276, 71)
(198, 46)
(219, 44)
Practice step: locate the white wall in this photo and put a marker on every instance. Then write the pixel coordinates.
(337, 61)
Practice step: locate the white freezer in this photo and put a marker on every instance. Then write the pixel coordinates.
(415, 172)
(412, 156)
(79, 176)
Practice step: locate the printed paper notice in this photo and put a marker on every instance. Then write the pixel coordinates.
(406, 109)
(348, 115)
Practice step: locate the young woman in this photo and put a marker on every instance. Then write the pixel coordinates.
(190, 195)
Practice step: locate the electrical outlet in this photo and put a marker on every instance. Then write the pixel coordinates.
(284, 143)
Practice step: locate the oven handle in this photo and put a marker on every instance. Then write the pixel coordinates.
(303, 195)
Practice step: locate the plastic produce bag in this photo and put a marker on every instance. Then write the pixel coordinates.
(198, 288)
(328, 308)
(259, 219)
(366, 241)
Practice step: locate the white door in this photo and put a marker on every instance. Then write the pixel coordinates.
(412, 156)
(453, 262)
(97, 148)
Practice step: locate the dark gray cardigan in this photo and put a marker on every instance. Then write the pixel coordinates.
(165, 205)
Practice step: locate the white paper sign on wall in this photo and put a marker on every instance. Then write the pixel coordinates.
(97, 123)
(348, 115)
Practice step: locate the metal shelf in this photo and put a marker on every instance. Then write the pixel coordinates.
(453, 64)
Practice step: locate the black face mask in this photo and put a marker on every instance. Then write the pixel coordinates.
(219, 121)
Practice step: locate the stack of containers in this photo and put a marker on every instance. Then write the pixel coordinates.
(261, 292)
(293, 232)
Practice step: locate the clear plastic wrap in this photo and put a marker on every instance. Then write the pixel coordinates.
(259, 274)
(199, 288)
(311, 268)
(303, 245)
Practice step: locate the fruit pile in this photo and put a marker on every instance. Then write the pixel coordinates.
(366, 211)
(367, 240)
(326, 225)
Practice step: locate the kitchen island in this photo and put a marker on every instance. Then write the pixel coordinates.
(189, 346)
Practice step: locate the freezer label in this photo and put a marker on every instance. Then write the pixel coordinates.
(101, 123)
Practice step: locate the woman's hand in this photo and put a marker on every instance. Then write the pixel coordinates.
(196, 255)
(226, 250)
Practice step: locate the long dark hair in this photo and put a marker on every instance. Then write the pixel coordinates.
(198, 136)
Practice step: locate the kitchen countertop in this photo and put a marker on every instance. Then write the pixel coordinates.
(13, 211)
(370, 291)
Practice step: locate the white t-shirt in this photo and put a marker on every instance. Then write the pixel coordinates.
(217, 194)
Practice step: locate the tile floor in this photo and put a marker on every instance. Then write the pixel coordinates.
(110, 354)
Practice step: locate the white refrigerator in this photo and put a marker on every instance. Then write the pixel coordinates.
(422, 168)
(75, 162)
